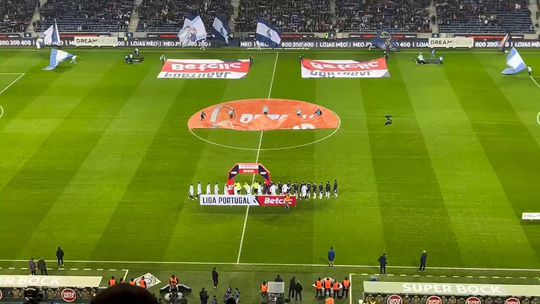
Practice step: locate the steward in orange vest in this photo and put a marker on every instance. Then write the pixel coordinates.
(132, 282)
(318, 287)
(264, 288)
(336, 288)
(346, 286)
(142, 283)
(112, 281)
(327, 286)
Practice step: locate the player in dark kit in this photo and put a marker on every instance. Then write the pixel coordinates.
(321, 189)
(314, 190)
(335, 188)
(279, 186)
(327, 188)
(308, 190)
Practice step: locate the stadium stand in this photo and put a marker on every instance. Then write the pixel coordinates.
(373, 15)
(287, 15)
(477, 16)
(168, 15)
(16, 15)
(86, 15)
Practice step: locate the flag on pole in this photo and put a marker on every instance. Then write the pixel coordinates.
(504, 41)
(515, 63)
(267, 34)
(192, 32)
(384, 41)
(51, 36)
(57, 57)
(221, 29)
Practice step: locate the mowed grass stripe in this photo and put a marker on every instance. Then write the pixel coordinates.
(149, 208)
(413, 212)
(264, 240)
(510, 148)
(481, 216)
(347, 157)
(33, 190)
(102, 179)
(221, 227)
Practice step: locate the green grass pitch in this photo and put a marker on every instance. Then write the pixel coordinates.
(97, 157)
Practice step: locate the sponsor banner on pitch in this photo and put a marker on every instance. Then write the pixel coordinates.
(95, 41)
(204, 69)
(247, 200)
(276, 201)
(48, 281)
(344, 68)
(457, 42)
(228, 200)
(452, 289)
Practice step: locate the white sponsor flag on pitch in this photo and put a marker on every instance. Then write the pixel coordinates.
(267, 34)
(192, 32)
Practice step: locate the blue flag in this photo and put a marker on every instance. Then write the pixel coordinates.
(57, 57)
(515, 63)
(268, 34)
(221, 29)
(384, 41)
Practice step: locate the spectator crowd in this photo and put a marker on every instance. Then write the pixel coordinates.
(16, 15)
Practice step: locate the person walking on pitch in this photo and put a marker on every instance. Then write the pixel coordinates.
(321, 189)
(335, 188)
(216, 189)
(327, 188)
(331, 257)
(191, 192)
(60, 256)
(383, 261)
(215, 277)
(208, 189)
(423, 260)
(199, 189)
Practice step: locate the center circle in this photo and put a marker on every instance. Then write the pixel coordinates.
(270, 116)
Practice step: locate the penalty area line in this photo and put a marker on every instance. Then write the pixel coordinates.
(256, 161)
(534, 80)
(12, 83)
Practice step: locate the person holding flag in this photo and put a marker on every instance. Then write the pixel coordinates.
(57, 57)
(267, 34)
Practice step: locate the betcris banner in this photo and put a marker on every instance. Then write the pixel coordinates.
(376, 68)
(247, 200)
(205, 69)
(276, 201)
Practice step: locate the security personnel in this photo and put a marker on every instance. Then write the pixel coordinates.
(132, 282)
(318, 288)
(335, 289)
(112, 281)
(329, 301)
(327, 286)
(346, 285)
(173, 281)
(264, 288)
(142, 283)
(383, 260)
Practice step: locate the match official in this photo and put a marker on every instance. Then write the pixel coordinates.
(383, 261)
(331, 257)
(423, 260)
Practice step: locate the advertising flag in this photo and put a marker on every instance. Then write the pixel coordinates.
(204, 69)
(51, 37)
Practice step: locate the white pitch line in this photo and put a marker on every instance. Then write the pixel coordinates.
(282, 265)
(125, 275)
(535, 82)
(12, 83)
(256, 161)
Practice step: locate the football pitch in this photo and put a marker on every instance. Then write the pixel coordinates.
(97, 157)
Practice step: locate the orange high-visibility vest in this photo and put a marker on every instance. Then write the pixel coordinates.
(112, 282)
(264, 288)
(336, 286)
(346, 284)
(330, 301)
(318, 284)
(132, 283)
(327, 284)
(142, 283)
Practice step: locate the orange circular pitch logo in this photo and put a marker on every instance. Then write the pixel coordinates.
(264, 115)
